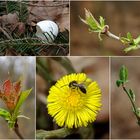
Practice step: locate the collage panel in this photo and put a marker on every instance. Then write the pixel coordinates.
(72, 98)
(17, 97)
(105, 28)
(34, 28)
(125, 79)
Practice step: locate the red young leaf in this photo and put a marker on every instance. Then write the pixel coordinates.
(17, 86)
(1, 94)
(7, 87)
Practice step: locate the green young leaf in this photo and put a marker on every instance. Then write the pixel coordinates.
(91, 21)
(132, 95)
(5, 114)
(21, 100)
(129, 36)
(123, 74)
(11, 123)
(132, 44)
(94, 25)
(130, 48)
(138, 112)
(118, 83)
(137, 40)
(128, 40)
(102, 21)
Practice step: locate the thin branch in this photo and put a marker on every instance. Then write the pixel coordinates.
(16, 129)
(133, 104)
(109, 34)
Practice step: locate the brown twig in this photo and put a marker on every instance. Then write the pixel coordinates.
(109, 34)
(16, 129)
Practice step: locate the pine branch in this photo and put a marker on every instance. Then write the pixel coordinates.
(35, 46)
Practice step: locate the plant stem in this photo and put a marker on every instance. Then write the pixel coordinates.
(133, 104)
(109, 34)
(112, 35)
(59, 133)
(16, 129)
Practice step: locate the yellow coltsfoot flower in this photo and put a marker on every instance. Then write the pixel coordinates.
(74, 101)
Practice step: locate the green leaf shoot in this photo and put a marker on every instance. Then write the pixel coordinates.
(119, 82)
(22, 98)
(123, 74)
(100, 27)
(94, 25)
(5, 114)
(130, 42)
(138, 111)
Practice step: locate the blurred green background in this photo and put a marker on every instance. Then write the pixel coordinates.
(121, 16)
(49, 70)
(123, 121)
(17, 67)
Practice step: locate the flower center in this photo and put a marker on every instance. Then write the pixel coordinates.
(73, 99)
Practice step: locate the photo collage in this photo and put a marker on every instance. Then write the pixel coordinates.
(69, 69)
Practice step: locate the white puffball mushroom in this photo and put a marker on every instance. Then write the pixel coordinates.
(47, 30)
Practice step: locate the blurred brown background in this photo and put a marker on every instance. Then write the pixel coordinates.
(17, 67)
(122, 17)
(95, 68)
(123, 121)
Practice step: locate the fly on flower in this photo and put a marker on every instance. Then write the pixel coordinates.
(74, 100)
(10, 93)
(75, 85)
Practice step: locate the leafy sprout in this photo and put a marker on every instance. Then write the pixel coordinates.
(13, 97)
(94, 25)
(12, 117)
(101, 28)
(133, 44)
(123, 79)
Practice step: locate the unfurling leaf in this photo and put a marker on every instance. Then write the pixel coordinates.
(132, 44)
(132, 95)
(138, 112)
(118, 83)
(90, 20)
(102, 21)
(5, 114)
(123, 74)
(22, 98)
(94, 25)
(129, 36)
